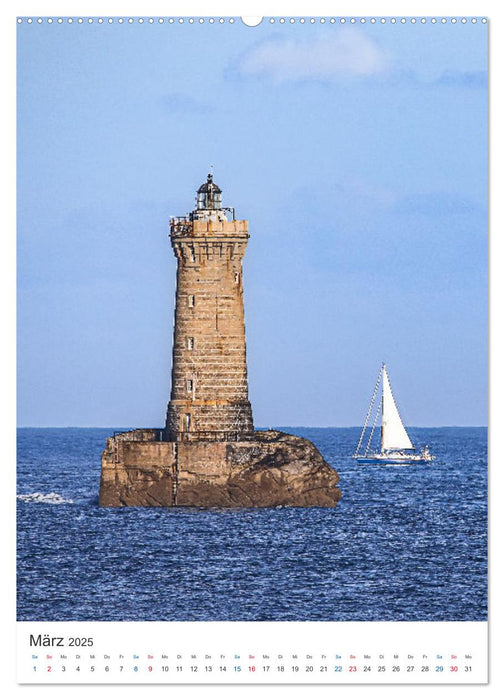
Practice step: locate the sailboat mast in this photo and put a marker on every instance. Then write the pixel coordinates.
(382, 408)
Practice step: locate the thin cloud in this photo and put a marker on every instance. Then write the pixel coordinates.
(343, 54)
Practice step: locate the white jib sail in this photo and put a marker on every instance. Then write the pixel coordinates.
(394, 435)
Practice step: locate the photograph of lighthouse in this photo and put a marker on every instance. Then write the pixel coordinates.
(230, 240)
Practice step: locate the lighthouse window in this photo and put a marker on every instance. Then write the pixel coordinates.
(192, 254)
(190, 300)
(190, 343)
(189, 385)
(236, 277)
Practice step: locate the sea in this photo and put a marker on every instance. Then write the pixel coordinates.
(405, 543)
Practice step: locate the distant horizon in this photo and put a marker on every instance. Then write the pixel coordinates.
(273, 427)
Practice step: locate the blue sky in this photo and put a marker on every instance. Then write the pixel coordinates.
(357, 153)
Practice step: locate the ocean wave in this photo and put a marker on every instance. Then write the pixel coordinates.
(50, 498)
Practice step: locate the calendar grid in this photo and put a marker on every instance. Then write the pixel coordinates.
(252, 653)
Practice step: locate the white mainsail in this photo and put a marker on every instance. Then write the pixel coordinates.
(394, 435)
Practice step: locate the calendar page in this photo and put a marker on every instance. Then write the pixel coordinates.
(252, 348)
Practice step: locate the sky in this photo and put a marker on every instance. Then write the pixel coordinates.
(358, 154)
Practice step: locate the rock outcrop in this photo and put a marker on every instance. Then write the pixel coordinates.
(271, 469)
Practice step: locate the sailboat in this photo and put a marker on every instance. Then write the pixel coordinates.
(395, 444)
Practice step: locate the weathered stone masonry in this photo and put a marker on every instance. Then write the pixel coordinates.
(209, 376)
(208, 454)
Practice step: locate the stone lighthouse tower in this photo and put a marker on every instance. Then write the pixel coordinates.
(209, 394)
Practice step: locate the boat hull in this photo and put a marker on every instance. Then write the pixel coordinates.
(394, 459)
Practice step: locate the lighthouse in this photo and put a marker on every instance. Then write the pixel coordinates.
(208, 454)
(209, 390)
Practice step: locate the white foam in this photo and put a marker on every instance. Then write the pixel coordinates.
(51, 498)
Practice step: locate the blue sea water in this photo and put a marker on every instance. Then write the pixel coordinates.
(404, 543)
